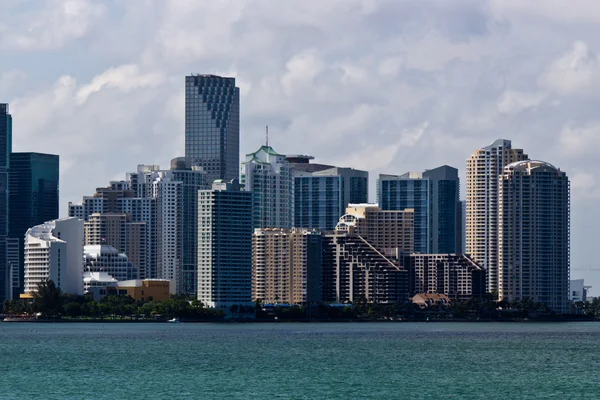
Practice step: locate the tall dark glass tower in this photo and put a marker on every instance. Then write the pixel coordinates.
(212, 125)
(5, 150)
(33, 200)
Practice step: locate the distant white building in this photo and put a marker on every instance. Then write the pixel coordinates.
(104, 258)
(578, 291)
(54, 250)
(95, 283)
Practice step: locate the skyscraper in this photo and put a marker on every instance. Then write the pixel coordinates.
(5, 150)
(33, 180)
(287, 265)
(269, 177)
(484, 168)
(224, 245)
(444, 226)
(322, 192)
(533, 230)
(212, 119)
(192, 178)
(409, 191)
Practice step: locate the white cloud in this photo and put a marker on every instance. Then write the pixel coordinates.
(577, 140)
(49, 27)
(124, 78)
(514, 101)
(575, 72)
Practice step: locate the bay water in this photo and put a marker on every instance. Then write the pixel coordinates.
(300, 361)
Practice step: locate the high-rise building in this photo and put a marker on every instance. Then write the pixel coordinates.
(54, 250)
(444, 228)
(225, 245)
(268, 175)
(212, 125)
(287, 266)
(5, 150)
(322, 192)
(192, 178)
(107, 259)
(33, 180)
(533, 232)
(169, 223)
(434, 196)
(484, 168)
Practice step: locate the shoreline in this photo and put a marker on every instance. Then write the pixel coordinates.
(301, 321)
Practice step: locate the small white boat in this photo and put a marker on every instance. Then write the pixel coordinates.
(174, 321)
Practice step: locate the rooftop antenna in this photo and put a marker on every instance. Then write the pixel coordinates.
(267, 131)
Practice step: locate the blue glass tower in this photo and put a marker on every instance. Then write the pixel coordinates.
(33, 199)
(212, 125)
(5, 150)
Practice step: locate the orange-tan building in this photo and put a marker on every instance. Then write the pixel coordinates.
(143, 290)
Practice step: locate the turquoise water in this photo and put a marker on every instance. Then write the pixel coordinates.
(300, 361)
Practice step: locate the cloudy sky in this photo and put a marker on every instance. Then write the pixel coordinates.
(387, 86)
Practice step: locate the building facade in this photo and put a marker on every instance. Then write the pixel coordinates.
(484, 168)
(5, 151)
(408, 191)
(454, 275)
(533, 232)
(33, 181)
(269, 176)
(54, 250)
(104, 258)
(391, 232)
(445, 223)
(322, 192)
(118, 231)
(287, 266)
(212, 125)
(225, 245)
(434, 197)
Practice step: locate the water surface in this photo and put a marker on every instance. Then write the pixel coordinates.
(300, 361)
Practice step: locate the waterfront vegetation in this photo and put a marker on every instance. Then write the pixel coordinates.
(49, 303)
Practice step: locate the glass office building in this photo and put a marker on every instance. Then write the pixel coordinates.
(212, 125)
(322, 192)
(5, 150)
(33, 200)
(434, 195)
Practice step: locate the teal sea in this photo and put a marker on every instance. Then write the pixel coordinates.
(300, 361)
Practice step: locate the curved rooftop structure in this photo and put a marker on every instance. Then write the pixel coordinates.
(528, 165)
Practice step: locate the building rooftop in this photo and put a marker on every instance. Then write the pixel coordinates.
(528, 165)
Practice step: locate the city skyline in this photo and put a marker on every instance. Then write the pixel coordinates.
(337, 101)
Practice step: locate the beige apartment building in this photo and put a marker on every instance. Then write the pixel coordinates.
(286, 265)
(391, 232)
(533, 229)
(484, 168)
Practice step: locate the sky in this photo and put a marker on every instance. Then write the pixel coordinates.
(387, 86)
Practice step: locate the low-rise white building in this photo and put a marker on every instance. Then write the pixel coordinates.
(54, 250)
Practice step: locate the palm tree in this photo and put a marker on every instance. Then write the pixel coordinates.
(47, 298)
